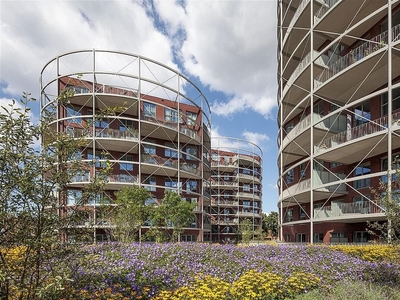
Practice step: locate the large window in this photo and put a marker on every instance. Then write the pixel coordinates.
(289, 215)
(149, 109)
(74, 197)
(150, 184)
(73, 111)
(125, 163)
(149, 149)
(172, 115)
(172, 184)
(126, 125)
(99, 158)
(360, 171)
(191, 185)
(362, 113)
(191, 118)
(290, 176)
(395, 101)
(246, 187)
(168, 152)
(191, 152)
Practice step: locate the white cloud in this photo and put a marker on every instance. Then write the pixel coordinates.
(256, 138)
(230, 48)
(41, 30)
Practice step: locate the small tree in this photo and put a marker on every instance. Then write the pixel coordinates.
(173, 212)
(131, 213)
(388, 198)
(270, 223)
(246, 230)
(32, 182)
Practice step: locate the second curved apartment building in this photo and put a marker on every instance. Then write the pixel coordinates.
(339, 115)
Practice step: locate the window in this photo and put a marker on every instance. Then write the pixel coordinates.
(362, 114)
(246, 203)
(151, 184)
(73, 111)
(335, 164)
(191, 152)
(246, 171)
(226, 195)
(300, 237)
(318, 237)
(149, 109)
(191, 185)
(289, 215)
(126, 166)
(172, 184)
(168, 152)
(126, 125)
(255, 187)
(149, 149)
(289, 127)
(74, 197)
(360, 171)
(227, 177)
(302, 213)
(99, 121)
(191, 118)
(302, 169)
(256, 172)
(290, 176)
(246, 187)
(171, 115)
(150, 201)
(395, 101)
(287, 237)
(98, 158)
(360, 237)
(78, 89)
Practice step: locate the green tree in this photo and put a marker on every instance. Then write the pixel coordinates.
(387, 198)
(32, 182)
(173, 212)
(270, 223)
(131, 213)
(246, 230)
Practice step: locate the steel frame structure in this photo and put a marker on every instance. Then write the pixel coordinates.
(236, 187)
(338, 75)
(157, 137)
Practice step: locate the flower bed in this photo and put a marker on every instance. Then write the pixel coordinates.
(186, 271)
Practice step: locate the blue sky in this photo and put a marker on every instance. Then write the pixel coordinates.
(227, 47)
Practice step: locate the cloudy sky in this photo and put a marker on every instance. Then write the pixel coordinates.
(227, 47)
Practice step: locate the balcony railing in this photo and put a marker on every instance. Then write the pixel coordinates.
(355, 133)
(354, 56)
(161, 161)
(223, 164)
(343, 209)
(324, 9)
(123, 178)
(298, 13)
(303, 124)
(104, 133)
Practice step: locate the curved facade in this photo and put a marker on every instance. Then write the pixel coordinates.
(236, 185)
(339, 106)
(157, 137)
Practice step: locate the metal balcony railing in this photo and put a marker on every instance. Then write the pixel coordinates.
(355, 133)
(354, 56)
(342, 209)
(324, 9)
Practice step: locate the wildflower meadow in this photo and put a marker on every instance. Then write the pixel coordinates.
(211, 271)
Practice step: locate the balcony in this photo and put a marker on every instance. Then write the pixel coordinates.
(247, 195)
(103, 133)
(245, 159)
(353, 57)
(354, 209)
(224, 184)
(301, 18)
(246, 178)
(158, 161)
(369, 141)
(226, 166)
(328, 4)
(154, 122)
(322, 179)
(300, 80)
(224, 203)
